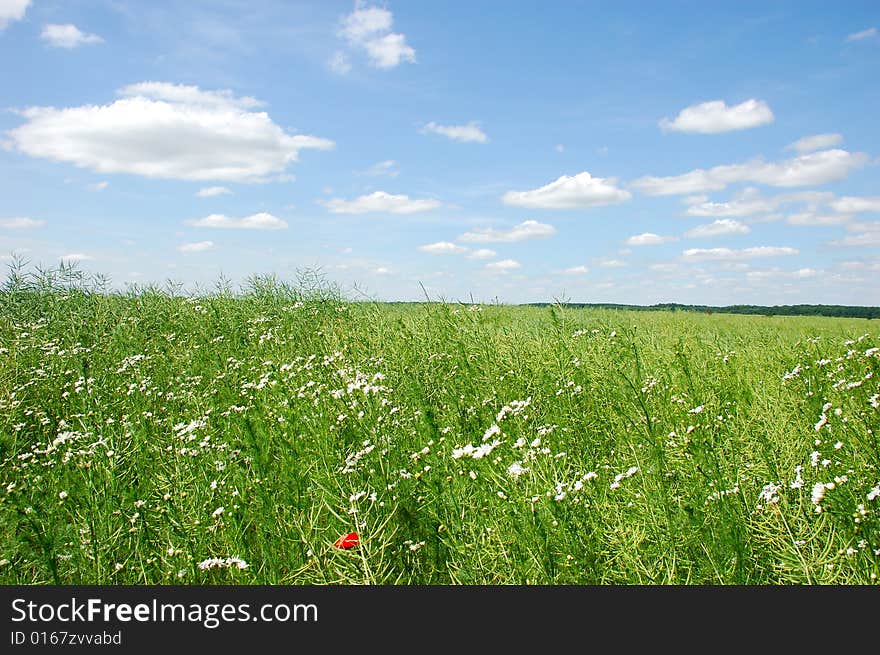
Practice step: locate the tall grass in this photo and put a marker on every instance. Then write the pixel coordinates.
(145, 433)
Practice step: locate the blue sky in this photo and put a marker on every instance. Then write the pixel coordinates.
(635, 152)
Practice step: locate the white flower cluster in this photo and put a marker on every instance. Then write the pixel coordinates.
(223, 563)
(475, 452)
(513, 408)
(631, 471)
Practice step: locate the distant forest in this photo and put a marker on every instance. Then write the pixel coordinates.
(776, 310)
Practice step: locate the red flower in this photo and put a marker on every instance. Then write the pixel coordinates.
(347, 541)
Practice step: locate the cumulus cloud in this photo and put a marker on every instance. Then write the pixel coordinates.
(169, 131)
(211, 191)
(260, 221)
(570, 192)
(76, 257)
(184, 94)
(522, 232)
(748, 202)
(369, 29)
(11, 11)
(470, 133)
(443, 248)
(503, 266)
(869, 33)
(380, 201)
(198, 246)
(577, 270)
(718, 228)
(805, 170)
(742, 253)
(67, 36)
(20, 223)
(98, 186)
(856, 204)
(715, 116)
(816, 142)
(649, 239)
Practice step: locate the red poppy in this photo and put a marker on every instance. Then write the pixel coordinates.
(347, 541)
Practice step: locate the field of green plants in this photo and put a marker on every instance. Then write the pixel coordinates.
(154, 437)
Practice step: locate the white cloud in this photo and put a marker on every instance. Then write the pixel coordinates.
(581, 190)
(604, 262)
(67, 36)
(365, 22)
(168, 131)
(856, 204)
(812, 218)
(816, 142)
(861, 36)
(98, 186)
(718, 228)
(189, 95)
(470, 133)
(11, 11)
(715, 116)
(369, 29)
(775, 273)
(382, 168)
(380, 201)
(443, 248)
(260, 221)
(482, 253)
(805, 170)
(649, 239)
(577, 270)
(861, 234)
(389, 51)
(861, 265)
(76, 257)
(198, 246)
(382, 270)
(522, 232)
(503, 266)
(743, 253)
(858, 240)
(746, 203)
(339, 63)
(749, 202)
(20, 223)
(211, 191)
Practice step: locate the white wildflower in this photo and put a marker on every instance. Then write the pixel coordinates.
(222, 563)
(491, 432)
(516, 469)
(622, 476)
(768, 493)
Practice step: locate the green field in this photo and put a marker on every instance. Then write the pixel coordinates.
(154, 438)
